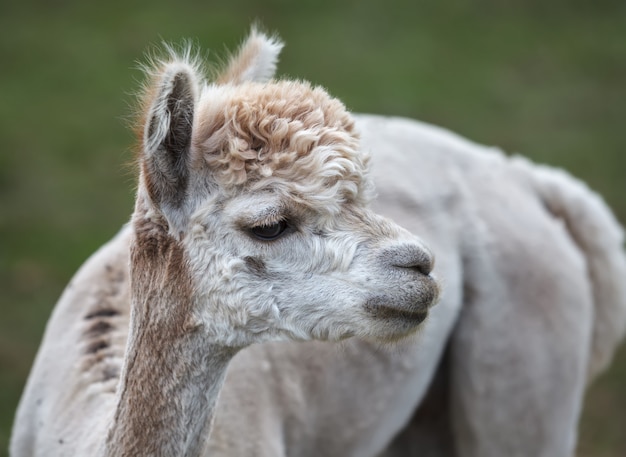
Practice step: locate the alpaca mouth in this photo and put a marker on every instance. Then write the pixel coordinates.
(388, 313)
(409, 306)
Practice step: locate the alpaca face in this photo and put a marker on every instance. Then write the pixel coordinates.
(266, 189)
(266, 269)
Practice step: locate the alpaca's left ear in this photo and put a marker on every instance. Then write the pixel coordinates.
(254, 61)
(167, 132)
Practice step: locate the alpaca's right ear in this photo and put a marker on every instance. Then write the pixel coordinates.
(167, 131)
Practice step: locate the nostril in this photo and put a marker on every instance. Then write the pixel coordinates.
(425, 268)
(414, 257)
(423, 265)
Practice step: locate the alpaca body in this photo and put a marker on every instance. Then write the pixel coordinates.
(296, 398)
(530, 308)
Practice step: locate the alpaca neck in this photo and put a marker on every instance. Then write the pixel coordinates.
(172, 370)
(167, 397)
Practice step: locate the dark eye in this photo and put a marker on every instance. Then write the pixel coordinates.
(269, 232)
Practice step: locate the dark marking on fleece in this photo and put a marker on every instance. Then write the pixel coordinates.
(104, 319)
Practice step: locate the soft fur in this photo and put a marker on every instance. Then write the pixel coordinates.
(533, 302)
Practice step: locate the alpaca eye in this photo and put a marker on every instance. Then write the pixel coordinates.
(269, 232)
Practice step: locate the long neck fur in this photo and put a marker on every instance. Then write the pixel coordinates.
(172, 374)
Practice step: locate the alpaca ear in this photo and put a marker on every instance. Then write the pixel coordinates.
(167, 133)
(254, 61)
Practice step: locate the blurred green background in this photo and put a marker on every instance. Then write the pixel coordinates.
(547, 79)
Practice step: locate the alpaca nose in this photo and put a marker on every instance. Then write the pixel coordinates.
(413, 256)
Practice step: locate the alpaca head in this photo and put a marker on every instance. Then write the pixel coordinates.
(263, 189)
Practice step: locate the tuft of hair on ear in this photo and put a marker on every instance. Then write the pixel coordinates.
(254, 61)
(165, 123)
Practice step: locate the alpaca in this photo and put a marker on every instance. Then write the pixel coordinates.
(250, 225)
(532, 307)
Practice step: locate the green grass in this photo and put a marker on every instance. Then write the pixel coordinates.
(546, 79)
